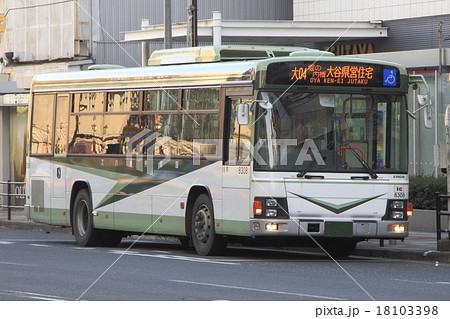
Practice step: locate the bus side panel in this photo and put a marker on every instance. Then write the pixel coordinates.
(236, 200)
(151, 203)
(40, 177)
(170, 198)
(59, 208)
(168, 216)
(99, 187)
(133, 213)
(236, 205)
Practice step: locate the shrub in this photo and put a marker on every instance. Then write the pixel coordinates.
(422, 190)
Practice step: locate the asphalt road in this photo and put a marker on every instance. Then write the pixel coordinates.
(38, 266)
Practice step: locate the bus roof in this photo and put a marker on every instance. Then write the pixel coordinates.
(141, 77)
(189, 74)
(223, 53)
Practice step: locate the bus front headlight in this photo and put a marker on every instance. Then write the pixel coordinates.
(398, 215)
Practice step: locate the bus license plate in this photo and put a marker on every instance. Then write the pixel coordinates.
(338, 229)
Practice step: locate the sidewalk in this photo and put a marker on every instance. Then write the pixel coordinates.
(20, 221)
(419, 246)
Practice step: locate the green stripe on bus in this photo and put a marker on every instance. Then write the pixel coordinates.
(151, 224)
(234, 227)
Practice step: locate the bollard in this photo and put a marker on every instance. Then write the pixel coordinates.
(8, 200)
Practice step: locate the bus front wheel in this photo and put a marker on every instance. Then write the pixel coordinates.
(204, 237)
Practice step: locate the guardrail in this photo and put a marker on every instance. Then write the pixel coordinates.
(440, 213)
(18, 193)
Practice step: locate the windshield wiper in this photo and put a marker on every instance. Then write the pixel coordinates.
(303, 172)
(359, 158)
(307, 168)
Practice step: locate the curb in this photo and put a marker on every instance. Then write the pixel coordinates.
(32, 226)
(431, 255)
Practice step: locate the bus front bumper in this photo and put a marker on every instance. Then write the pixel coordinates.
(363, 229)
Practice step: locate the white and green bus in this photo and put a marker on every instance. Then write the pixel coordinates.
(223, 144)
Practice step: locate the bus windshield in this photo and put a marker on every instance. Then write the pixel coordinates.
(319, 132)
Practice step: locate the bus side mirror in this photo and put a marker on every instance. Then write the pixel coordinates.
(243, 114)
(423, 100)
(427, 117)
(425, 103)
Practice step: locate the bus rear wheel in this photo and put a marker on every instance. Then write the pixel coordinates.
(204, 237)
(83, 221)
(83, 225)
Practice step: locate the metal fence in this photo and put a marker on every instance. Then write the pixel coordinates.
(12, 196)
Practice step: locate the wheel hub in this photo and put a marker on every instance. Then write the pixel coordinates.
(202, 224)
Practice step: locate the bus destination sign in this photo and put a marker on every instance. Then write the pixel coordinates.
(327, 73)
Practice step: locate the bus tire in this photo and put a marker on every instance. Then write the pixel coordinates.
(83, 220)
(204, 237)
(185, 242)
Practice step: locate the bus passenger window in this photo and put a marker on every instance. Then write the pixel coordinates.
(62, 118)
(117, 130)
(161, 100)
(203, 129)
(86, 134)
(42, 127)
(80, 102)
(167, 125)
(201, 99)
(88, 102)
(97, 102)
(127, 101)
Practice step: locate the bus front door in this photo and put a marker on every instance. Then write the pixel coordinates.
(236, 171)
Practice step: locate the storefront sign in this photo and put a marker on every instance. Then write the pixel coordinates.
(16, 99)
(347, 49)
(2, 25)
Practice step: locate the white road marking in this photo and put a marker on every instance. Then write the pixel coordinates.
(256, 289)
(40, 245)
(24, 240)
(174, 257)
(32, 295)
(83, 248)
(6, 243)
(424, 282)
(16, 264)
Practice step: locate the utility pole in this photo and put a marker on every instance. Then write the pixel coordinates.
(192, 34)
(144, 45)
(167, 25)
(440, 48)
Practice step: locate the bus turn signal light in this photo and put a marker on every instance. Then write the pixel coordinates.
(409, 210)
(257, 208)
